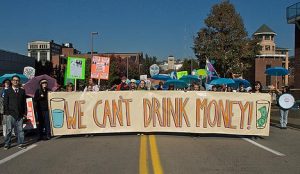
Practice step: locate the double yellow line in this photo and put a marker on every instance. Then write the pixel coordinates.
(143, 163)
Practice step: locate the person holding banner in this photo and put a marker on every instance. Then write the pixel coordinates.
(132, 84)
(257, 88)
(15, 110)
(92, 84)
(69, 87)
(123, 86)
(160, 86)
(142, 85)
(283, 112)
(41, 100)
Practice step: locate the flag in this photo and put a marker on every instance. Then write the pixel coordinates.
(211, 71)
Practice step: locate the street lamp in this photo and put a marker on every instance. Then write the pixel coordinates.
(92, 40)
(92, 48)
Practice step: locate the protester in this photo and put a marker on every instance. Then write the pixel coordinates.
(15, 110)
(283, 112)
(242, 88)
(91, 86)
(69, 87)
(142, 85)
(196, 87)
(41, 100)
(214, 88)
(229, 89)
(132, 84)
(160, 86)
(257, 87)
(6, 85)
(171, 87)
(123, 85)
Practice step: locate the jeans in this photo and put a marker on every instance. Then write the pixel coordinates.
(12, 122)
(283, 117)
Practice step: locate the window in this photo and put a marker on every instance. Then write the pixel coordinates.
(267, 37)
(267, 48)
(268, 77)
(33, 54)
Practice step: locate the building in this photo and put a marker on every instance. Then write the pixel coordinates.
(43, 51)
(14, 63)
(171, 63)
(270, 56)
(293, 17)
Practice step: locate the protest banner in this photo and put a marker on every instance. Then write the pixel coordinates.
(100, 67)
(159, 111)
(76, 68)
(30, 122)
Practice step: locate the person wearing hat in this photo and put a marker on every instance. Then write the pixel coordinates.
(123, 85)
(5, 86)
(41, 101)
(132, 84)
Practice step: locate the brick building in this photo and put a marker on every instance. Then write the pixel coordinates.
(270, 56)
(293, 17)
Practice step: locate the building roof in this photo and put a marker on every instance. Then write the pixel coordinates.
(280, 48)
(264, 29)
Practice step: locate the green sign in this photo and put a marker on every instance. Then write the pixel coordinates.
(181, 73)
(76, 68)
(201, 72)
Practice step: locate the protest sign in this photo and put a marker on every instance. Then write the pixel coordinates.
(76, 68)
(160, 111)
(154, 70)
(181, 73)
(30, 122)
(100, 67)
(29, 72)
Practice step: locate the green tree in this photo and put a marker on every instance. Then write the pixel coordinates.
(146, 63)
(225, 40)
(188, 65)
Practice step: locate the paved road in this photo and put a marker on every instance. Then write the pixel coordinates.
(163, 153)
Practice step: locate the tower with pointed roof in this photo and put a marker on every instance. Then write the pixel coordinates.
(270, 56)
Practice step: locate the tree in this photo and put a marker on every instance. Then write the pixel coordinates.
(146, 63)
(225, 40)
(188, 65)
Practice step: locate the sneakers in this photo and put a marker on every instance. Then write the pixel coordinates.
(21, 146)
(6, 147)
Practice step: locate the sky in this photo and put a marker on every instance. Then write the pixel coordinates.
(155, 27)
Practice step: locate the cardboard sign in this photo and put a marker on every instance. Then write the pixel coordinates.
(100, 67)
(76, 68)
(30, 123)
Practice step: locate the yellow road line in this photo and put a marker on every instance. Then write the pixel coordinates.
(155, 156)
(143, 155)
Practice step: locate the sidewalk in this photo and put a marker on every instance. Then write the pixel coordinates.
(293, 117)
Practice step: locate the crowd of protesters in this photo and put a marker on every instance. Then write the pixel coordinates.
(13, 102)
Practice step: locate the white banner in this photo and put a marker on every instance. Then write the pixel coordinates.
(159, 111)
